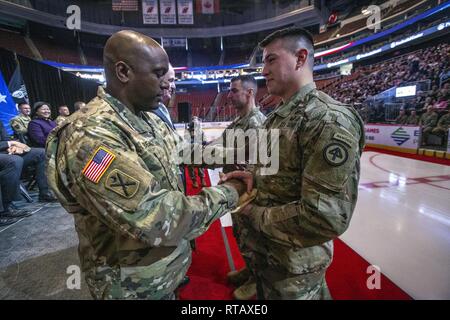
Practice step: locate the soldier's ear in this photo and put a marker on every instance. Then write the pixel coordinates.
(302, 55)
(122, 71)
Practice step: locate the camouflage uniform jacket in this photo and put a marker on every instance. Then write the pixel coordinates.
(310, 200)
(413, 120)
(20, 123)
(59, 120)
(402, 119)
(254, 120)
(429, 120)
(444, 121)
(131, 215)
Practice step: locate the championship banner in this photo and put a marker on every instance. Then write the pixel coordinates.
(150, 11)
(125, 5)
(167, 11)
(174, 42)
(393, 137)
(185, 12)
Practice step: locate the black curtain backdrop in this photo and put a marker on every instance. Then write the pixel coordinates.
(7, 64)
(55, 86)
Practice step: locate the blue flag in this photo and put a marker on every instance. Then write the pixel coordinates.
(8, 108)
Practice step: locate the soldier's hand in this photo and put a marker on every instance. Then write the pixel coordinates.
(238, 185)
(244, 176)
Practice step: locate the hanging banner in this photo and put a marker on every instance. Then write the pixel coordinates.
(124, 5)
(167, 11)
(174, 42)
(208, 6)
(150, 11)
(185, 12)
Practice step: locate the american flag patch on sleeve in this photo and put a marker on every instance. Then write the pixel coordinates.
(98, 164)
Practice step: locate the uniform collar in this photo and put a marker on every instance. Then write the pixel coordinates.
(21, 115)
(298, 98)
(123, 111)
(252, 112)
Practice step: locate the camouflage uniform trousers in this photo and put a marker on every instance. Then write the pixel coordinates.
(273, 280)
(159, 282)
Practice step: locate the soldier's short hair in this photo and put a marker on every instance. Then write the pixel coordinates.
(248, 82)
(295, 38)
(22, 104)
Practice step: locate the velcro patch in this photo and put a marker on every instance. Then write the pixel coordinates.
(98, 164)
(343, 138)
(122, 184)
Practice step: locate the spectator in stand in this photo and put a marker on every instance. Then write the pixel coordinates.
(442, 125)
(41, 125)
(442, 103)
(428, 121)
(402, 117)
(63, 112)
(413, 118)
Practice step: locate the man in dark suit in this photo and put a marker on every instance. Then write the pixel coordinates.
(14, 156)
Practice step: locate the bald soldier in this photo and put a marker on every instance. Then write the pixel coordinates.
(297, 212)
(113, 172)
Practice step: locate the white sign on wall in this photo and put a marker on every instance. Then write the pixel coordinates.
(400, 137)
(405, 91)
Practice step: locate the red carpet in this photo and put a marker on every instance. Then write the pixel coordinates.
(346, 276)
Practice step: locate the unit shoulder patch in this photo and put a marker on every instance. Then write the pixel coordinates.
(335, 154)
(122, 183)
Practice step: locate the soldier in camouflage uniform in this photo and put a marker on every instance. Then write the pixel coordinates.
(402, 117)
(20, 122)
(242, 95)
(442, 125)
(113, 172)
(63, 112)
(297, 212)
(428, 121)
(413, 118)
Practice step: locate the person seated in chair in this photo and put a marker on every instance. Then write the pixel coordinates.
(14, 156)
(41, 125)
(19, 123)
(428, 121)
(442, 126)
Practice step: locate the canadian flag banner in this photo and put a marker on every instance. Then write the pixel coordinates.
(208, 6)
(150, 11)
(185, 12)
(167, 10)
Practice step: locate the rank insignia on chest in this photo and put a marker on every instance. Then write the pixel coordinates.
(98, 164)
